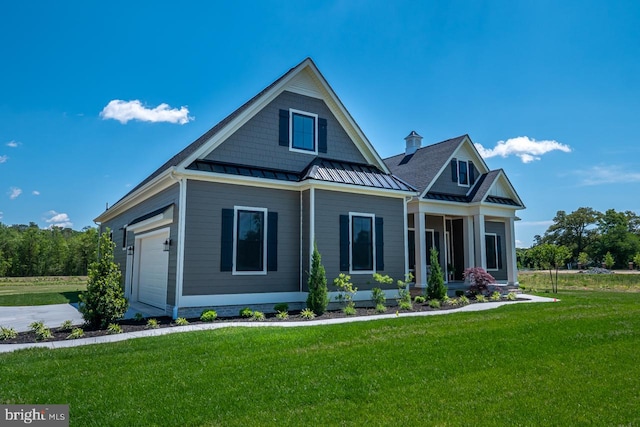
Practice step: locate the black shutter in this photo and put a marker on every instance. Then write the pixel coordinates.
(272, 241)
(436, 237)
(454, 170)
(344, 242)
(284, 128)
(226, 245)
(499, 254)
(472, 174)
(379, 244)
(322, 135)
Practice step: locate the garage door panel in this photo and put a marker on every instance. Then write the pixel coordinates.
(153, 271)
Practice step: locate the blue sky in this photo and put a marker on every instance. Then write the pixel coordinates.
(557, 82)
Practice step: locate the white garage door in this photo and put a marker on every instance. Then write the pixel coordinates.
(153, 270)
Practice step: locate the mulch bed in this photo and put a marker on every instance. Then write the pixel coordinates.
(167, 322)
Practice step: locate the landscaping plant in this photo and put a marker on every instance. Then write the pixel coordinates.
(346, 291)
(479, 280)
(318, 297)
(404, 296)
(103, 302)
(436, 289)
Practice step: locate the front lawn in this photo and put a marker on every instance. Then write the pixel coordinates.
(566, 363)
(23, 291)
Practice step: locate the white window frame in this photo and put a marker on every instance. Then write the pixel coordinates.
(373, 242)
(458, 172)
(315, 132)
(495, 247)
(264, 240)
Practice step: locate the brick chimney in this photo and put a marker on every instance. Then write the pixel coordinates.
(414, 141)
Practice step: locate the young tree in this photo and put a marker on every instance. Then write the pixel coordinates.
(103, 302)
(318, 297)
(608, 260)
(436, 289)
(550, 257)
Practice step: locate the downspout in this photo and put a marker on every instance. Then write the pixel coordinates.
(182, 205)
(301, 251)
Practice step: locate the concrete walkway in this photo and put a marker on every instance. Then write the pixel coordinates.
(6, 348)
(19, 318)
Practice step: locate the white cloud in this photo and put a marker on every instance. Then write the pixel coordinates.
(123, 111)
(520, 244)
(58, 220)
(13, 144)
(35, 192)
(608, 175)
(14, 192)
(528, 149)
(546, 223)
(3, 159)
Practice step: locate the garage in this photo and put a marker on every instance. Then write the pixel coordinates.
(153, 268)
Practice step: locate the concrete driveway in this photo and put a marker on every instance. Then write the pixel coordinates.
(19, 318)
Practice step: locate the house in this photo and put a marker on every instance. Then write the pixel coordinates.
(463, 209)
(231, 220)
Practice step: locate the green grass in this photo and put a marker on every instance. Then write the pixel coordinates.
(565, 363)
(19, 291)
(541, 281)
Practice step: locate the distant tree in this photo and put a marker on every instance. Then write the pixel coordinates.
(583, 259)
(576, 230)
(636, 260)
(608, 260)
(551, 257)
(616, 238)
(103, 302)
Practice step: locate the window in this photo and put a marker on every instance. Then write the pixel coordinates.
(492, 248)
(303, 131)
(250, 241)
(361, 243)
(463, 173)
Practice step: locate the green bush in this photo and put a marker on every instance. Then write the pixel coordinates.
(283, 306)
(404, 296)
(495, 296)
(454, 301)
(349, 310)
(481, 298)
(434, 303)
(41, 331)
(419, 299)
(181, 321)
(436, 289)
(67, 325)
(381, 308)
(405, 305)
(75, 334)
(282, 315)
(378, 296)
(463, 300)
(7, 333)
(114, 328)
(318, 296)
(307, 314)
(246, 312)
(258, 315)
(512, 296)
(103, 302)
(152, 324)
(209, 315)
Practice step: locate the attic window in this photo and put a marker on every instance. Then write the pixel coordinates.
(463, 172)
(302, 132)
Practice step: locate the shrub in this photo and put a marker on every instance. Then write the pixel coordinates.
(346, 290)
(349, 310)
(246, 312)
(378, 296)
(283, 306)
(103, 301)
(282, 315)
(67, 325)
(75, 334)
(436, 289)
(209, 315)
(454, 301)
(463, 300)
(512, 296)
(41, 331)
(258, 315)
(138, 317)
(181, 321)
(479, 280)
(481, 298)
(307, 314)
(445, 299)
(419, 299)
(495, 296)
(381, 308)
(404, 296)
(7, 333)
(459, 292)
(434, 303)
(114, 328)
(318, 297)
(405, 305)
(152, 324)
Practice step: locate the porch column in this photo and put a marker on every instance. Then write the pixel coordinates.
(481, 250)
(469, 251)
(421, 250)
(510, 250)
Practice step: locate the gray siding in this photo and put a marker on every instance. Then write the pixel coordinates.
(164, 198)
(256, 142)
(498, 228)
(328, 208)
(444, 184)
(306, 255)
(205, 201)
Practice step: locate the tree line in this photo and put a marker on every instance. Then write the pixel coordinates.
(584, 238)
(28, 250)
